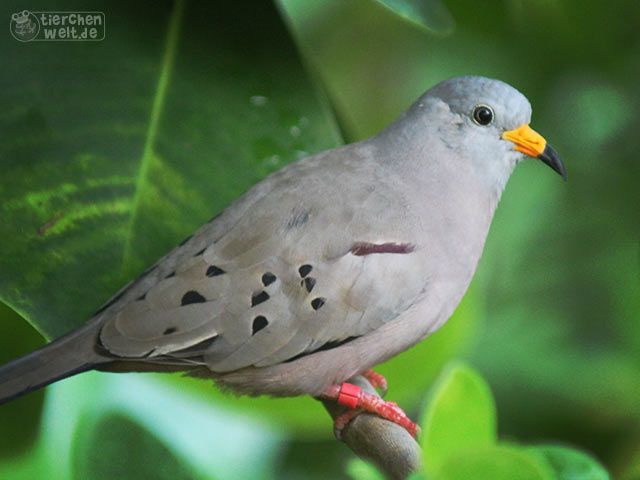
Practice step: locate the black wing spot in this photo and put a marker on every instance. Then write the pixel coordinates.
(192, 297)
(214, 271)
(309, 283)
(318, 302)
(170, 330)
(197, 254)
(268, 278)
(258, 298)
(172, 274)
(259, 323)
(305, 270)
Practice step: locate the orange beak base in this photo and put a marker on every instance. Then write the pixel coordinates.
(530, 142)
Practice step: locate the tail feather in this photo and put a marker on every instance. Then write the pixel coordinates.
(73, 353)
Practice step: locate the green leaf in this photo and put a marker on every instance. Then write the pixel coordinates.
(431, 15)
(460, 416)
(417, 476)
(631, 469)
(360, 470)
(570, 464)
(494, 463)
(20, 419)
(175, 427)
(118, 447)
(114, 151)
(24, 467)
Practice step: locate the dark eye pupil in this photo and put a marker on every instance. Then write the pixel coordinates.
(483, 115)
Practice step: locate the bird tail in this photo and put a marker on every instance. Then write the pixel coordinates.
(71, 354)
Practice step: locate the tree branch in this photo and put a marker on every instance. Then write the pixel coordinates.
(385, 444)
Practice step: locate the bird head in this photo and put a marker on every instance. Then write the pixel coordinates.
(486, 120)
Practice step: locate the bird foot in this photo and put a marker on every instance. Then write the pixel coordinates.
(377, 381)
(359, 401)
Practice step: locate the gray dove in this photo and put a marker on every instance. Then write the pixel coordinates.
(323, 269)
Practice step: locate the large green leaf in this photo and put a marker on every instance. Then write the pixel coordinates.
(570, 464)
(459, 438)
(122, 444)
(431, 15)
(20, 419)
(460, 416)
(94, 422)
(495, 463)
(360, 470)
(113, 151)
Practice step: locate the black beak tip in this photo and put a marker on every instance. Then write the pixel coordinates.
(551, 158)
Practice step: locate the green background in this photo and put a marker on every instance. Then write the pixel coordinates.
(112, 152)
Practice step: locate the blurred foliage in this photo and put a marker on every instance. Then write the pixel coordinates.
(459, 440)
(429, 14)
(112, 152)
(117, 459)
(570, 464)
(99, 426)
(460, 417)
(19, 420)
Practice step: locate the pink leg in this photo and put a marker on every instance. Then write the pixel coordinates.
(358, 400)
(376, 380)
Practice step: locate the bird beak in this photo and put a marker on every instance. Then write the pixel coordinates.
(531, 143)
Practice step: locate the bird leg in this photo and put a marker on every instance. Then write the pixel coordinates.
(359, 401)
(377, 381)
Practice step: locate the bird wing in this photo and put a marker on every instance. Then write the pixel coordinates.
(314, 256)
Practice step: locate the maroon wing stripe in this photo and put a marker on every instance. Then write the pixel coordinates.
(361, 249)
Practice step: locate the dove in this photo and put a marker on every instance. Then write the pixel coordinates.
(323, 269)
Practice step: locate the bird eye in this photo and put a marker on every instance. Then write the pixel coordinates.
(482, 115)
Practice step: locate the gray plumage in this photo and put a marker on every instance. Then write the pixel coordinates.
(270, 297)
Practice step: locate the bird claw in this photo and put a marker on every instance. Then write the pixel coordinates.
(360, 401)
(377, 381)
(392, 412)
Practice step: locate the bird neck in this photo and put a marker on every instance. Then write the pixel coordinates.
(450, 189)
(422, 155)
(424, 149)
